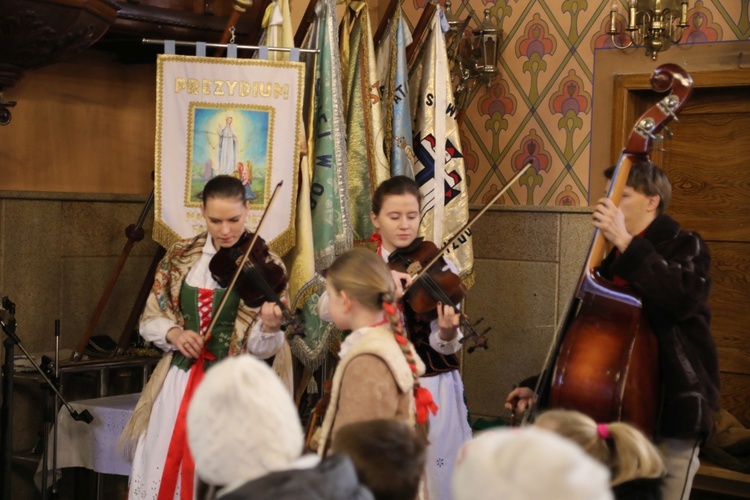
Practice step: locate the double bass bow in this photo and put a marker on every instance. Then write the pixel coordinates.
(432, 285)
(604, 359)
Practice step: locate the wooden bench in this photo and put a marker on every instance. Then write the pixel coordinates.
(716, 479)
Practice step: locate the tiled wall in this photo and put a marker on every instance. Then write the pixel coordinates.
(541, 105)
(527, 260)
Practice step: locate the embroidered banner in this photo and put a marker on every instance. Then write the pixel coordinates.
(394, 87)
(439, 169)
(238, 117)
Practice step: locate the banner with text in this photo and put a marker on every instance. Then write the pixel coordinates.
(237, 117)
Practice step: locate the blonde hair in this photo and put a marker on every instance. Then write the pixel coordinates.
(618, 445)
(363, 275)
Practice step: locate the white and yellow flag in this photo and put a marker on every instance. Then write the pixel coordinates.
(439, 169)
(277, 22)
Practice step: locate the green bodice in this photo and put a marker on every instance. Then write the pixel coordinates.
(221, 336)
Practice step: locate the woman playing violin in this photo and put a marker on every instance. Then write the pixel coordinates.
(396, 215)
(180, 308)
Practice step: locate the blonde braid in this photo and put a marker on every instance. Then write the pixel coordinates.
(422, 397)
(393, 316)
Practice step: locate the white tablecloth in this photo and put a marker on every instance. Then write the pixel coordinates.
(93, 445)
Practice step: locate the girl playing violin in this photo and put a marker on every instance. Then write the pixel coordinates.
(179, 309)
(396, 214)
(377, 376)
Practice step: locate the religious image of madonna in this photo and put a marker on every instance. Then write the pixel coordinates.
(229, 141)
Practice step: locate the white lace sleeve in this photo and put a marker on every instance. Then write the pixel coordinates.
(263, 345)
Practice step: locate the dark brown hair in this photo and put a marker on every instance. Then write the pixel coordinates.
(224, 186)
(388, 456)
(647, 178)
(396, 185)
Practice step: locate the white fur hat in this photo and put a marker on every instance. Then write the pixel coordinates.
(519, 464)
(242, 423)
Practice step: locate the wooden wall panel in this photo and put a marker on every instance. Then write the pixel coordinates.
(81, 126)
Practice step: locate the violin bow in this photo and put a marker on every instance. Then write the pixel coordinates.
(241, 266)
(466, 226)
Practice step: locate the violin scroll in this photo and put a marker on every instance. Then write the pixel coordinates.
(479, 340)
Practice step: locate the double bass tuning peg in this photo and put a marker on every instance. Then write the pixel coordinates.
(669, 104)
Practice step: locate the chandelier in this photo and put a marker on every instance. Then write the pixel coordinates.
(653, 24)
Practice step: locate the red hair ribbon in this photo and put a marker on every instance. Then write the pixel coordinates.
(424, 403)
(389, 309)
(376, 238)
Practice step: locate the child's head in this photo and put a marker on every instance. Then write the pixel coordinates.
(619, 446)
(358, 277)
(242, 423)
(524, 463)
(396, 211)
(388, 456)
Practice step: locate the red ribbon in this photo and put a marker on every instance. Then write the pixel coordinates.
(388, 308)
(376, 238)
(424, 403)
(179, 451)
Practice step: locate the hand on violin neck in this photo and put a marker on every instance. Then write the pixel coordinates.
(402, 280)
(271, 317)
(188, 342)
(448, 321)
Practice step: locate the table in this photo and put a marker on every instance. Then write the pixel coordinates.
(94, 445)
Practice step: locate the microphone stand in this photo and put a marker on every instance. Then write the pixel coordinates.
(9, 327)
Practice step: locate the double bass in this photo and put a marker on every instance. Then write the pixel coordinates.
(604, 359)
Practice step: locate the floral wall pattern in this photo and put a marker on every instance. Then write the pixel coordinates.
(539, 107)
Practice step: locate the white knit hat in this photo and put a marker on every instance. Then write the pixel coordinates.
(520, 464)
(242, 423)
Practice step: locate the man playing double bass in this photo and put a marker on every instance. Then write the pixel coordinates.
(669, 268)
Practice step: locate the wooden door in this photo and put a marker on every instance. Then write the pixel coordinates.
(708, 162)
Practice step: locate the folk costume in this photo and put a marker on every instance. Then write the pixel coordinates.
(449, 428)
(184, 295)
(372, 380)
(669, 268)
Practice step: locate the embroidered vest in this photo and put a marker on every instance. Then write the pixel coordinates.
(221, 336)
(380, 342)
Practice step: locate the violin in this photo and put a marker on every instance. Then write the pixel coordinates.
(438, 285)
(261, 279)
